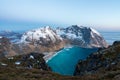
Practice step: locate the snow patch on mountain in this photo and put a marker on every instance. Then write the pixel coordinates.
(94, 31)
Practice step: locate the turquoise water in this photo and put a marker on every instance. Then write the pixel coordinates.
(65, 60)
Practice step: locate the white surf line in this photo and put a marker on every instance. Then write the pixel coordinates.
(50, 56)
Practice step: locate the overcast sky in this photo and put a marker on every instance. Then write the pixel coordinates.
(27, 14)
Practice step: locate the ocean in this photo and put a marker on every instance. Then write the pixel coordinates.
(110, 37)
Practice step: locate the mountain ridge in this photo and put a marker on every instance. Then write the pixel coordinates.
(76, 35)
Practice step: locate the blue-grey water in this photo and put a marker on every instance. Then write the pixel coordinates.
(65, 60)
(110, 37)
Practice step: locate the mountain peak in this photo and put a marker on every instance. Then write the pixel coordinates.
(47, 27)
(83, 36)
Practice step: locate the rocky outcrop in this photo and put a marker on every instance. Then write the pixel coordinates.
(25, 62)
(82, 36)
(105, 63)
(32, 60)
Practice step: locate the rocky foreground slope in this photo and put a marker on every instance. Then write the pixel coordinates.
(103, 65)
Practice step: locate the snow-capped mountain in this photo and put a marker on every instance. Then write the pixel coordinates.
(42, 36)
(82, 36)
(76, 35)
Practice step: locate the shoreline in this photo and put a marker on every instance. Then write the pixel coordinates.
(49, 55)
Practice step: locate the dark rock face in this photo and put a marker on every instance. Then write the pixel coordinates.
(103, 63)
(116, 43)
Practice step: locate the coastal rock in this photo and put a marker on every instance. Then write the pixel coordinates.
(116, 43)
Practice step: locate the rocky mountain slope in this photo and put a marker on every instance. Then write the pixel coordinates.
(103, 65)
(6, 47)
(83, 36)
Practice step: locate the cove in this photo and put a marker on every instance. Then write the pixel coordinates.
(64, 61)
